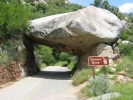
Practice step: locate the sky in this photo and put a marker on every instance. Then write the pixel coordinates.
(125, 6)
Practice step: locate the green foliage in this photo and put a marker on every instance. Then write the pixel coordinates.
(130, 33)
(38, 63)
(28, 1)
(3, 57)
(51, 56)
(81, 76)
(127, 65)
(121, 16)
(43, 65)
(73, 7)
(61, 63)
(71, 65)
(100, 85)
(13, 17)
(60, 3)
(124, 35)
(130, 17)
(86, 93)
(127, 34)
(101, 71)
(9, 51)
(114, 10)
(125, 49)
(45, 53)
(105, 5)
(125, 89)
(51, 8)
(66, 57)
(11, 1)
(41, 6)
(97, 3)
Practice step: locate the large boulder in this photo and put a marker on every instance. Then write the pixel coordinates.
(76, 32)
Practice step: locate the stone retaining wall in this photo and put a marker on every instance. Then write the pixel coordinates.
(9, 73)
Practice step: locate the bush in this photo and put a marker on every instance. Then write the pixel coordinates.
(66, 57)
(100, 85)
(9, 51)
(43, 65)
(45, 53)
(71, 65)
(127, 65)
(81, 76)
(125, 49)
(125, 89)
(13, 18)
(124, 35)
(3, 57)
(108, 70)
(61, 63)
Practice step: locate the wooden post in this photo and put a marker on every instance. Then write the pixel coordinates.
(93, 71)
(104, 68)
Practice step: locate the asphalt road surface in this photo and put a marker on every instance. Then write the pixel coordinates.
(52, 83)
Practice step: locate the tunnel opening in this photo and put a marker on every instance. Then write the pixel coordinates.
(46, 56)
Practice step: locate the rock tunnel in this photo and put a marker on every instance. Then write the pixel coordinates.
(78, 33)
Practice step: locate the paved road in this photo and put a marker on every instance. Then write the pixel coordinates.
(52, 83)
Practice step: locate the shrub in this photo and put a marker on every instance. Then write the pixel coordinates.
(100, 85)
(13, 18)
(126, 65)
(45, 53)
(67, 57)
(81, 76)
(125, 49)
(43, 65)
(3, 57)
(125, 89)
(108, 70)
(71, 65)
(124, 35)
(61, 63)
(9, 51)
(85, 92)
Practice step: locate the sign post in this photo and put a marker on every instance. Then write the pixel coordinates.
(93, 71)
(98, 61)
(104, 68)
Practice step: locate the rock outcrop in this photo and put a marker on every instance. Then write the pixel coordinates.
(98, 50)
(19, 63)
(26, 61)
(77, 32)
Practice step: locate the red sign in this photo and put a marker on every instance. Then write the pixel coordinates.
(98, 61)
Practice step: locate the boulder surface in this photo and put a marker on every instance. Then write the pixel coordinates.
(76, 32)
